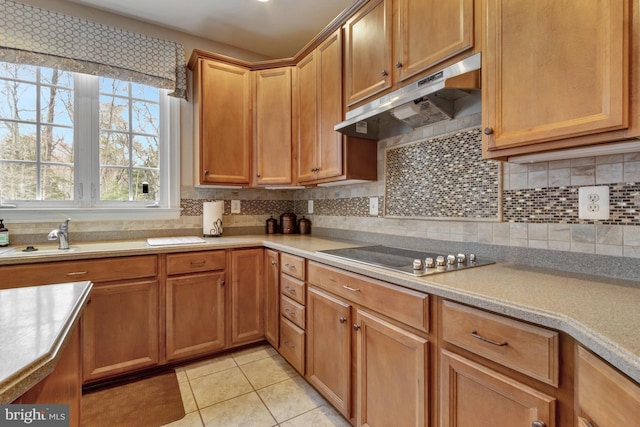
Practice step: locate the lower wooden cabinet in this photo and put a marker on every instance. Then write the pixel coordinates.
(120, 329)
(246, 310)
(272, 297)
(472, 395)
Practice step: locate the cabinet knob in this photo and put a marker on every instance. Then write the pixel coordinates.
(342, 319)
(206, 172)
(384, 73)
(538, 423)
(258, 175)
(356, 327)
(398, 64)
(221, 282)
(488, 131)
(273, 263)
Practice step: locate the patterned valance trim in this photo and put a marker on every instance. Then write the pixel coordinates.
(35, 36)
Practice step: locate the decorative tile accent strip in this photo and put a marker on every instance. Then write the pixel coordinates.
(443, 177)
(351, 206)
(559, 205)
(193, 207)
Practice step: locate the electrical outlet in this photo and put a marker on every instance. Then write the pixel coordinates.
(593, 202)
(310, 207)
(235, 206)
(373, 206)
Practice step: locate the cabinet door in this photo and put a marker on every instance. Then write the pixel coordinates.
(195, 315)
(225, 120)
(329, 348)
(306, 109)
(329, 141)
(367, 54)
(554, 70)
(392, 374)
(120, 329)
(273, 126)
(430, 31)
(272, 296)
(247, 303)
(475, 396)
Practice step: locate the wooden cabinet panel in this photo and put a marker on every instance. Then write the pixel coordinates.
(528, 349)
(475, 396)
(329, 348)
(392, 370)
(193, 262)
(247, 301)
(605, 397)
(293, 311)
(429, 32)
(272, 297)
(552, 71)
(120, 329)
(195, 315)
(224, 114)
(292, 344)
(367, 54)
(97, 270)
(307, 120)
(273, 121)
(293, 266)
(406, 306)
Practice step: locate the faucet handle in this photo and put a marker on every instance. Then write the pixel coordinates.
(65, 225)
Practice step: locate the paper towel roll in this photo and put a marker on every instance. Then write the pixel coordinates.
(212, 218)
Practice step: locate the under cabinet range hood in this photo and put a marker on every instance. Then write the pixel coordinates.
(451, 92)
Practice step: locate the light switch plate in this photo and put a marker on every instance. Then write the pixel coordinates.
(373, 206)
(593, 202)
(310, 206)
(235, 206)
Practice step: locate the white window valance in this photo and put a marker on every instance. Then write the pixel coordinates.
(30, 35)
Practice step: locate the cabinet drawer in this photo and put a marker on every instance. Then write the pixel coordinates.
(292, 344)
(292, 265)
(293, 288)
(525, 348)
(406, 306)
(100, 270)
(292, 311)
(193, 262)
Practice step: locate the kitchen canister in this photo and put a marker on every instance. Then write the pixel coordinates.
(272, 225)
(212, 218)
(304, 226)
(288, 223)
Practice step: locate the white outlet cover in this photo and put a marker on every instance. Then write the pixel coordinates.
(310, 206)
(593, 202)
(373, 206)
(235, 206)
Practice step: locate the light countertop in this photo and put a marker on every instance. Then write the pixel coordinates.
(600, 313)
(35, 323)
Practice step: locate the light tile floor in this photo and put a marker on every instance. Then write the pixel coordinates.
(254, 387)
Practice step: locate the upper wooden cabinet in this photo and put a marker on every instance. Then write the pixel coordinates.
(223, 128)
(273, 122)
(558, 74)
(381, 52)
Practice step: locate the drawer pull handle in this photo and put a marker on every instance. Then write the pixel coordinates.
(291, 346)
(290, 290)
(481, 338)
(290, 267)
(342, 319)
(582, 422)
(289, 312)
(197, 263)
(349, 288)
(77, 273)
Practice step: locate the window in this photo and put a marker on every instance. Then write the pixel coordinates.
(75, 141)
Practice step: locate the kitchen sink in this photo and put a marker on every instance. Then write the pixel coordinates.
(34, 251)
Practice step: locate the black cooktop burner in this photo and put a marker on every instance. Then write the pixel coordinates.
(402, 260)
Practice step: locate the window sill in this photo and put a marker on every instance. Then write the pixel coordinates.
(97, 214)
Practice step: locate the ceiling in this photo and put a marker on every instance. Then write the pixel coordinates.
(275, 29)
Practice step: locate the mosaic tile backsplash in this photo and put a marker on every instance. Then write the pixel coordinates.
(442, 177)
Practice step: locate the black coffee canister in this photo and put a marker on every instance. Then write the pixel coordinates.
(272, 225)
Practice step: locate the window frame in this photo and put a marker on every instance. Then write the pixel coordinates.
(86, 204)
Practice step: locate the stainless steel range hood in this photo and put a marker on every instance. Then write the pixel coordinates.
(437, 97)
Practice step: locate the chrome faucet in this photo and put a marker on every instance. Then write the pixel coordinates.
(61, 234)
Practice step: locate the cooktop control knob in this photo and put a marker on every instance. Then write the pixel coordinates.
(462, 258)
(440, 262)
(451, 259)
(417, 264)
(429, 263)
(472, 258)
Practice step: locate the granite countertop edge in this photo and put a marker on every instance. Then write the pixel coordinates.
(34, 371)
(610, 348)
